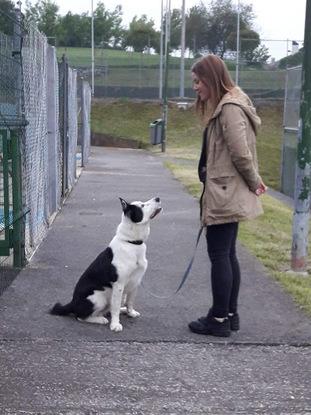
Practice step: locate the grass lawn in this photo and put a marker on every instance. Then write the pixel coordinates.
(268, 237)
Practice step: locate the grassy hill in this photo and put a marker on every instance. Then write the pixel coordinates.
(123, 118)
(81, 57)
(134, 69)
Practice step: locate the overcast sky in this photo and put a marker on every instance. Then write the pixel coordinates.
(275, 19)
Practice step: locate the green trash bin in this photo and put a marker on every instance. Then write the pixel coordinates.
(156, 129)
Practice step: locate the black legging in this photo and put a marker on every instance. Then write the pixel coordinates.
(225, 273)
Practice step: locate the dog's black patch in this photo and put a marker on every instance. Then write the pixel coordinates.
(100, 274)
(135, 213)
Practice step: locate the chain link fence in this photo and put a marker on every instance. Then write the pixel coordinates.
(72, 127)
(38, 136)
(12, 124)
(35, 136)
(290, 132)
(120, 74)
(84, 121)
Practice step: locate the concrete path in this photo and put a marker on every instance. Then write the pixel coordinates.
(56, 365)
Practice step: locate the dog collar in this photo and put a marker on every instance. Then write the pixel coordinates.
(136, 242)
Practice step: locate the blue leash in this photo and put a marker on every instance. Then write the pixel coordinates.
(186, 273)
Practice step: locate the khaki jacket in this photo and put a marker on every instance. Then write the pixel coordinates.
(232, 166)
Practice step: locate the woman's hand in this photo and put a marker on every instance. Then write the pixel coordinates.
(261, 189)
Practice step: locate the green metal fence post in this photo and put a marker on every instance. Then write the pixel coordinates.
(5, 243)
(18, 234)
(303, 166)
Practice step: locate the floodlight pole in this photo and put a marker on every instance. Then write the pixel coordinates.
(92, 37)
(166, 63)
(161, 54)
(237, 46)
(182, 55)
(303, 165)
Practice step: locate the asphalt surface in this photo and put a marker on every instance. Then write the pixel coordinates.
(57, 365)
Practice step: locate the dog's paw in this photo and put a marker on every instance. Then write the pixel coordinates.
(123, 310)
(133, 313)
(94, 319)
(116, 327)
(102, 320)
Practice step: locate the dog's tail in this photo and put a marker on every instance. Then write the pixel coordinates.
(61, 310)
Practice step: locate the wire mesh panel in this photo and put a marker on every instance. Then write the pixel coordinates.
(8, 116)
(72, 126)
(86, 96)
(12, 121)
(38, 135)
(137, 75)
(9, 94)
(292, 97)
(54, 144)
(290, 134)
(63, 120)
(35, 142)
(6, 193)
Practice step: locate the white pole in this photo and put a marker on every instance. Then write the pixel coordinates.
(93, 59)
(167, 52)
(237, 46)
(161, 54)
(182, 56)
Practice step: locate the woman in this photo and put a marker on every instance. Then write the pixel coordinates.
(228, 168)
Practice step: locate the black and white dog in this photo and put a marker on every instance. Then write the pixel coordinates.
(113, 277)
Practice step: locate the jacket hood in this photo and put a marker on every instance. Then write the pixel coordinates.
(237, 97)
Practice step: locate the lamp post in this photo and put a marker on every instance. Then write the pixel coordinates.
(161, 54)
(92, 41)
(166, 63)
(237, 45)
(182, 55)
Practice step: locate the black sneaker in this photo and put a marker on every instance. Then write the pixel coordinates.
(208, 325)
(234, 322)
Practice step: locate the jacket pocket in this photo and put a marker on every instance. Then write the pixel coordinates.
(221, 195)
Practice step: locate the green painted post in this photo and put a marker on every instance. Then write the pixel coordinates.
(303, 166)
(5, 243)
(18, 235)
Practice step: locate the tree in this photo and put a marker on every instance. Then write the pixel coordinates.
(196, 25)
(74, 30)
(7, 17)
(175, 31)
(291, 60)
(141, 34)
(45, 14)
(118, 31)
(213, 28)
(107, 26)
(222, 23)
(175, 35)
(258, 56)
(250, 50)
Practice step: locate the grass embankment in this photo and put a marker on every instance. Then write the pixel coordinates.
(134, 69)
(268, 237)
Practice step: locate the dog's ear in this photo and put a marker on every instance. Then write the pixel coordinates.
(124, 204)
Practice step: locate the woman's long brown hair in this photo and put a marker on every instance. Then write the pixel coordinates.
(213, 72)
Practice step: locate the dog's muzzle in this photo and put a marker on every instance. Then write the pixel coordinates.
(155, 213)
